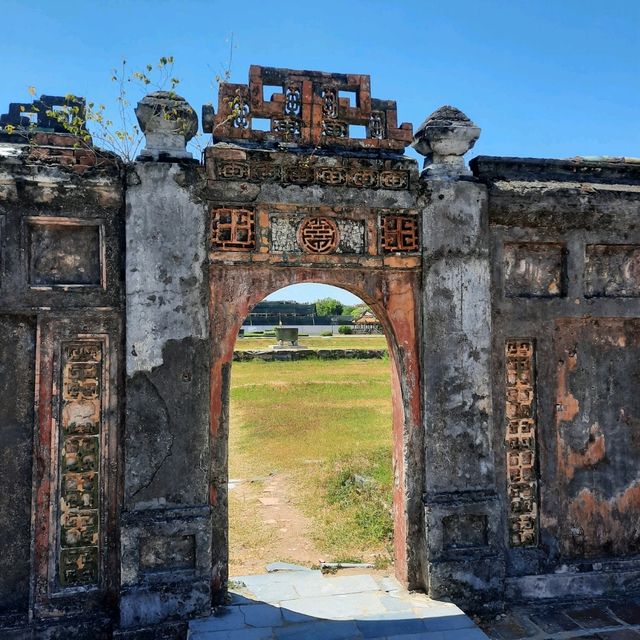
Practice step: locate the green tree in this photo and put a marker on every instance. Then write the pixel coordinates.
(359, 309)
(328, 307)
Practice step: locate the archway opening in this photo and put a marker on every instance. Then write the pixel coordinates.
(311, 446)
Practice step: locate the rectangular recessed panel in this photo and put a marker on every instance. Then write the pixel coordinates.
(612, 271)
(464, 531)
(64, 253)
(534, 270)
(520, 438)
(79, 465)
(164, 553)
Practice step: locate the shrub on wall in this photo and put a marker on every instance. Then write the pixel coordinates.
(345, 329)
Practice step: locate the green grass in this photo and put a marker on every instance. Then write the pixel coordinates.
(327, 425)
(316, 342)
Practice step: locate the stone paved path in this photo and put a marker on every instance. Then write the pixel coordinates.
(306, 605)
(588, 621)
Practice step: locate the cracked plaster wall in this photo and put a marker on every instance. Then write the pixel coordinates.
(166, 251)
(167, 355)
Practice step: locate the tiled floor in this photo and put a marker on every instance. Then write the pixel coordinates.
(589, 621)
(306, 605)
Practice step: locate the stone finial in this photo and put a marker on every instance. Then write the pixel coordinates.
(443, 138)
(168, 122)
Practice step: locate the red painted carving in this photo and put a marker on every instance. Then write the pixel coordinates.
(318, 235)
(399, 233)
(233, 229)
(522, 483)
(309, 110)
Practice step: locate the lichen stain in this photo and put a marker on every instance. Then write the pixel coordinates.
(567, 405)
(607, 526)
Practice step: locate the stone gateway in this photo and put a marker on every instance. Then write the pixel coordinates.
(509, 292)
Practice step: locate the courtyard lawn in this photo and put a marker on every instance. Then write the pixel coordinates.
(324, 426)
(317, 342)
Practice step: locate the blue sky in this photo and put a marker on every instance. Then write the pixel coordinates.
(553, 78)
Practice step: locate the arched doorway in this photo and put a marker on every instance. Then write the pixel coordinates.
(310, 446)
(392, 295)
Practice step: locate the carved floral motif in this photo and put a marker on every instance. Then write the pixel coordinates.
(79, 466)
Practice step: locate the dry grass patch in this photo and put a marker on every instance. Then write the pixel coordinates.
(326, 425)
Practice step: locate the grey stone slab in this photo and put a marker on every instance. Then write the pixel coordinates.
(464, 634)
(262, 615)
(235, 634)
(619, 634)
(388, 615)
(337, 607)
(391, 603)
(592, 617)
(553, 621)
(377, 628)
(276, 577)
(274, 593)
(628, 611)
(336, 586)
(513, 626)
(429, 635)
(389, 584)
(241, 597)
(448, 623)
(324, 630)
(225, 619)
(295, 616)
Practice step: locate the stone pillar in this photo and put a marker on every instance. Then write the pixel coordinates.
(166, 524)
(464, 547)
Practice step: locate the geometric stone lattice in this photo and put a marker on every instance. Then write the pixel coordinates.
(318, 235)
(522, 484)
(233, 229)
(309, 108)
(399, 233)
(79, 477)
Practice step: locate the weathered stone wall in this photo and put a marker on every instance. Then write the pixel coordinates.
(61, 298)
(510, 299)
(565, 239)
(166, 528)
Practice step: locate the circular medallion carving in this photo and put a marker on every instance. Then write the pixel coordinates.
(318, 235)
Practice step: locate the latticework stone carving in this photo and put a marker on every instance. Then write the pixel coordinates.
(522, 484)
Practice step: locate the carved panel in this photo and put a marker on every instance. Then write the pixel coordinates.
(612, 271)
(232, 170)
(318, 235)
(79, 465)
(309, 110)
(233, 229)
(263, 172)
(522, 484)
(332, 176)
(301, 173)
(394, 180)
(534, 270)
(284, 235)
(377, 125)
(399, 233)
